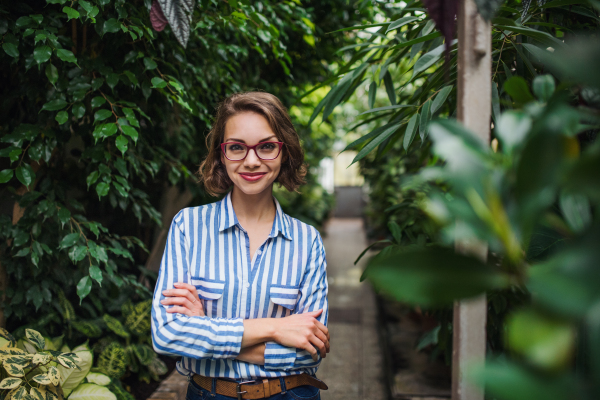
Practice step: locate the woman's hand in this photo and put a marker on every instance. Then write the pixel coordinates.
(184, 300)
(303, 331)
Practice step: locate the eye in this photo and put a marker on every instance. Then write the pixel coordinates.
(235, 147)
(268, 146)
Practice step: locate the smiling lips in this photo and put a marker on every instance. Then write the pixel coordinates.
(252, 176)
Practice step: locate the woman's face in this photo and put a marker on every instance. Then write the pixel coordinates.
(251, 175)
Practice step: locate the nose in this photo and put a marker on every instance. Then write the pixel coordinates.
(252, 160)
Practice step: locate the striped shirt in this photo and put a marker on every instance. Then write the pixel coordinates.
(208, 248)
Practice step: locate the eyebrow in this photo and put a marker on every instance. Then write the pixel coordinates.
(243, 141)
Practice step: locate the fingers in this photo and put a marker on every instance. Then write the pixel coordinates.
(320, 346)
(180, 293)
(323, 339)
(179, 301)
(323, 328)
(180, 310)
(314, 313)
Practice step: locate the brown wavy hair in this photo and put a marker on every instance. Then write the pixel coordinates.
(212, 172)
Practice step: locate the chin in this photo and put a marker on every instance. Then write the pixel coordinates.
(253, 188)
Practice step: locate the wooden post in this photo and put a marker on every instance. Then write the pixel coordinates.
(474, 112)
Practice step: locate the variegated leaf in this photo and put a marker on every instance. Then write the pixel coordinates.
(36, 338)
(13, 351)
(55, 392)
(54, 375)
(19, 394)
(38, 394)
(42, 379)
(19, 360)
(10, 383)
(179, 14)
(68, 360)
(41, 358)
(6, 335)
(14, 369)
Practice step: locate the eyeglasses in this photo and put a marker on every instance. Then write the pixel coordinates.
(235, 151)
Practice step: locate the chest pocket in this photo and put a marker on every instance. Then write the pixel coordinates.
(210, 292)
(284, 295)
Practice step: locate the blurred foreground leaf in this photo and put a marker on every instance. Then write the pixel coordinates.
(432, 276)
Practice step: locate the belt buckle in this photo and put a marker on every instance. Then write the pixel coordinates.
(238, 388)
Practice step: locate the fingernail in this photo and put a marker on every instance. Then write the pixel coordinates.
(162, 302)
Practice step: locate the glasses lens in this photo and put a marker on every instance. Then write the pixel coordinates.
(235, 151)
(267, 151)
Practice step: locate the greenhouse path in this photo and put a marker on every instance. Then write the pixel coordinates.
(354, 367)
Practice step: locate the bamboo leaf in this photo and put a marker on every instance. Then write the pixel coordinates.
(440, 99)
(375, 142)
(400, 22)
(386, 108)
(411, 131)
(389, 87)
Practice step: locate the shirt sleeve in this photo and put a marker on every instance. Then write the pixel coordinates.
(313, 297)
(178, 334)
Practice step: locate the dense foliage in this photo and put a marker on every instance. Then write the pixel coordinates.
(102, 128)
(532, 195)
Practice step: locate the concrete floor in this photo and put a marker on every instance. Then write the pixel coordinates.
(354, 367)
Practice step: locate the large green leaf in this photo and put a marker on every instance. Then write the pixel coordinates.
(432, 276)
(376, 142)
(72, 377)
(90, 391)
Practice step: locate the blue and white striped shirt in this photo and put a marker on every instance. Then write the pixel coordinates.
(208, 248)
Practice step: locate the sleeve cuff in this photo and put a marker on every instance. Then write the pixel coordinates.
(278, 357)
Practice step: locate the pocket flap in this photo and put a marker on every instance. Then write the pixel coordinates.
(209, 289)
(285, 296)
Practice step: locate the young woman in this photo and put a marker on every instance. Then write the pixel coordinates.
(242, 289)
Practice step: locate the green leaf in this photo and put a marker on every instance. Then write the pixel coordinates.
(98, 101)
(372, 94)
(144, 353)
(64, 215)
(71, 13)
(25, 174)
(400, 22)
(35, 338)
(77, 253)
(112, 80)
(411, 131)
(11, 49)
(158, 83)
(66, 55)
(54, 105)
(102, 189)
(82, 357)
(115, 326)
(101, 115)
(576, 210)
(396, 231)
(69, 240)
(112, 26)
(42, 54)
(386, 108)
(517, 88)
(424, 121)
(427, 60)
(78, 110)
(92, 178)
(544, 342)
(84, 287)
(495, 103)
(98, 378)
(543, 87)
(51, 73)
(96, 274)
(512, 129)
(421, 39)
(90, 391)
(375, 142)
(121, 143)
(432, 276)
(6, 175)
(42, 379)
(131, 132)
(389, 87)
(149, 63)
(440, 99)
(62, 117)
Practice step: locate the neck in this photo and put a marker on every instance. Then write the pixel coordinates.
(253, 208)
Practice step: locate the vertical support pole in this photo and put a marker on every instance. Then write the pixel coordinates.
(474, 112)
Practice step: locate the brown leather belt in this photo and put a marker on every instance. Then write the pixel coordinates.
(257, 389)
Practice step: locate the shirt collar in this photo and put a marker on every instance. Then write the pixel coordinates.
(227, 218)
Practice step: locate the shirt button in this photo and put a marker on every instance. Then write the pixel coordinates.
(259, 251)
(247, 284)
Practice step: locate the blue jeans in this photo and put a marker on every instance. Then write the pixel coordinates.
(196, 392)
